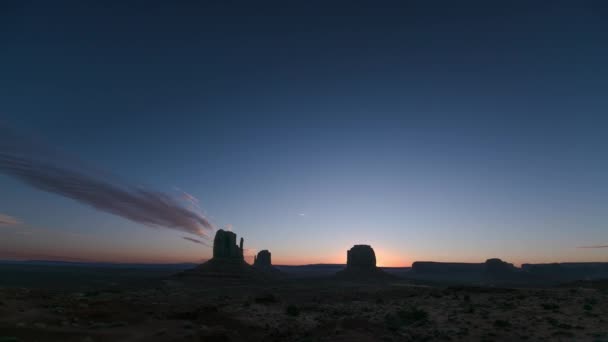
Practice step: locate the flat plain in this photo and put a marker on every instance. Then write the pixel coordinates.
(149, 306)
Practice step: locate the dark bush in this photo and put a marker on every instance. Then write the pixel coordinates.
(499, 323)
(405, 317)
(550, 306)
(266, 299)
(292, 310)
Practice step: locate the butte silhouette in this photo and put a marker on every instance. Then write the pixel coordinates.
(228, 261)
(361, 265)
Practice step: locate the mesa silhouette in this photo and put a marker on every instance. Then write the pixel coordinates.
(228, 263)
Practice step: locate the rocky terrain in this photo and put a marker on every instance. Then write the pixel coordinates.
(305, 311)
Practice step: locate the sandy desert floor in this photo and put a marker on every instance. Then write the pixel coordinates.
(305, 311)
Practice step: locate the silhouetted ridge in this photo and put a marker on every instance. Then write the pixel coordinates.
(569, 270)
(430, 267)
(492, 266)
(496, 266)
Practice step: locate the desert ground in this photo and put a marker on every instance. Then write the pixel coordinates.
(165, 309)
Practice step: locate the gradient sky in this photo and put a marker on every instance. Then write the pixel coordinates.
(448, 131)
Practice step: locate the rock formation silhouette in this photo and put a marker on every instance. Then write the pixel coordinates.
(496, 266)
(361, 265)
(361, 257)
(224, 245)
(262, 259)
(568, 271)
(228, 262)
(492, 271)
(491, 266)
(262, 262)
(430, 267)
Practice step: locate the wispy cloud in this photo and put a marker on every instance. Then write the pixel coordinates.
(596, 246)
(6, 220)
(196, 241)
(47, 170)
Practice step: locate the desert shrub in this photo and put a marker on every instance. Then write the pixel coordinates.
(292, 310)
(500, 323)
(392, 321)
(8, 339)
(413, 315)
(266, 299)
(591, 301)
(552, 321)
(567, 334)
(405, 317)
(507, 306)
(464, 331)
(550, 306)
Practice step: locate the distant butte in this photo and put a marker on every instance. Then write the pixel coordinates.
(228, 261)
(262, 259)
(361, 265)
(361, 257)
(224, 246)
(262, 262)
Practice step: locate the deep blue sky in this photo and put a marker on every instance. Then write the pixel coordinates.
(431, 130)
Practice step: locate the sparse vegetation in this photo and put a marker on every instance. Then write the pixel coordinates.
(346, 313)
(405, 317)
(292, 310)
(550, 306)
(500, 323)
(8, 339)
(268, 298)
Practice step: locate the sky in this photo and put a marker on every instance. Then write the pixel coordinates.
(431, 130)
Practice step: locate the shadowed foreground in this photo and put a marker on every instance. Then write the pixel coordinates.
(304, 310)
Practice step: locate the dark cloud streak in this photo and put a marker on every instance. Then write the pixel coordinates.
(46, 170)
(597, 246)
(195, 241)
